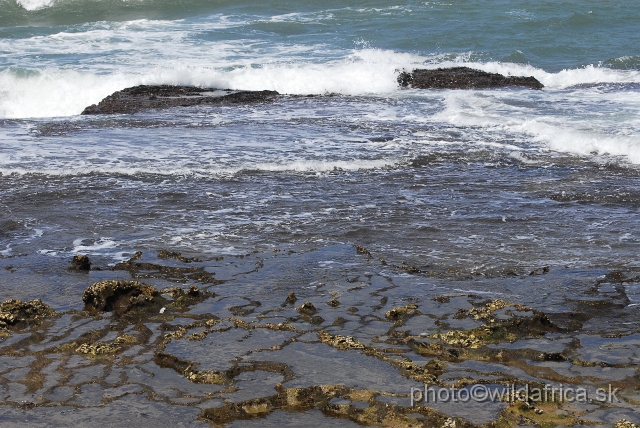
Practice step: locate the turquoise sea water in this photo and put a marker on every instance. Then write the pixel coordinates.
(73, 52)
(548, 34)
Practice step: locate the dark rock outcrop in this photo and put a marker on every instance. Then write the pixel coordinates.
(132, 100)
(122, 297)
(463, 78)
(80, 262)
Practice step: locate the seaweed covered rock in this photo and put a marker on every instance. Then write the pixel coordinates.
(121, 297)
(463, 78)
(17, 313)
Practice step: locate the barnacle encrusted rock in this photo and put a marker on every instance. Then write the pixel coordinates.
(333, 303)
(205, 376)
(340, 342)
(17, 312)
(422, 373)
(98, 348)
(397, 314)
(463, 339)
(623, 423)
(183, 299)
(121, 296)
(125, 339)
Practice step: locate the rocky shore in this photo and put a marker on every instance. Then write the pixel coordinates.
(354, 348)
(144, 97)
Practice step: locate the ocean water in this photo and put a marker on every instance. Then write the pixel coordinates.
(453, 192)
(448, 178)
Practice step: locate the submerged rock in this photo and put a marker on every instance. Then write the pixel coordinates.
(153, 270)
(463, 78)
(132, 100)
(165, 254)
(16, 312)
(183, 299)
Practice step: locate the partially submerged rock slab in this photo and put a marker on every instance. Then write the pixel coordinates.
(134, 99)
(463, 78)
(153, 270)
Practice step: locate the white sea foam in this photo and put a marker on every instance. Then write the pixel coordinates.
(100, 244)
(62, 92)
(119, 55)
(115, 55)
(583, 132)
(169, 167)
(35, 4)
(54, 92)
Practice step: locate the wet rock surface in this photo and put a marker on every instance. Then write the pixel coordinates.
(463, 78)
(15, 313)
(121, 297)
(81, 262)
(143, 97)
(228, 352)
